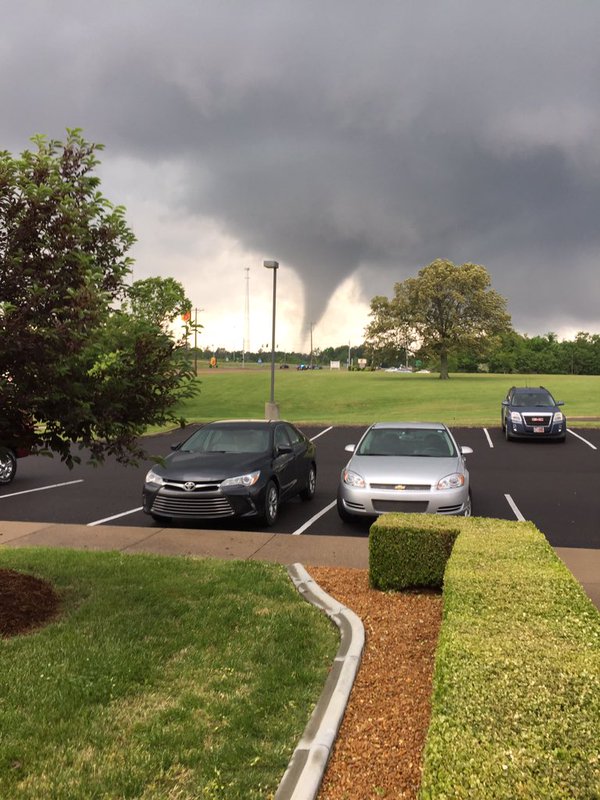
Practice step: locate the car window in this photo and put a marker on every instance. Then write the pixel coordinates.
(281, 437)
(523, 399)
(294, 434)
(407, 442)
(228, 440)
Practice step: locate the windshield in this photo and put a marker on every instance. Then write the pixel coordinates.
(228, 440)
(539, 399)
(428, 442)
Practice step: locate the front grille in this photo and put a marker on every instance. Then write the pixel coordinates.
(407, 487)
(408, 507)
(537, 420)
(193, 506)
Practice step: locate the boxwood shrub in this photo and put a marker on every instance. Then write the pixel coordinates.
(410, 550)
(516, 696)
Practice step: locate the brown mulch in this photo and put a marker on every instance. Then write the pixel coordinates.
(26, 602)
(378, 750)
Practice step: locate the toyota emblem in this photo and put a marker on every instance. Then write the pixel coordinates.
(189, 486)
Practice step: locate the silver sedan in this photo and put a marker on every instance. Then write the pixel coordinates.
(405, 467)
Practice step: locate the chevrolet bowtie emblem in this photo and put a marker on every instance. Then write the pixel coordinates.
(400, 486)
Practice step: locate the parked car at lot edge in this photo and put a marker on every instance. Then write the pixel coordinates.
(233, 468)
(9, 453)
(405, 467)
(530, 412)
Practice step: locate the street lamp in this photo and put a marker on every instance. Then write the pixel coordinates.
(271, 408)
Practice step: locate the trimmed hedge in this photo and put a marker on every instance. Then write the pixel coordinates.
(410, 550)
(516, 697)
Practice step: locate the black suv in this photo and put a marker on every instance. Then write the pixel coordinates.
(532, 412)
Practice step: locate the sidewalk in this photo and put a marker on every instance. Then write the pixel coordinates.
(281, 548)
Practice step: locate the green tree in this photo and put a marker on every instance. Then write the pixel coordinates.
(390, 333)
(75, 371)
(158, 300)
(451, 309)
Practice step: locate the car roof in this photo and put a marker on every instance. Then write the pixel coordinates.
(239, 423)
(415, 425)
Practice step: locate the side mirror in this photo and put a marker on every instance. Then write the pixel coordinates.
(466, 450)
(176, 446)
(505, 402)
(560, 403)
(283, 449)
(350, 448)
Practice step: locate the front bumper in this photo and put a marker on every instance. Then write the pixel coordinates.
(212, 503)
(369, 503)
(519, 430)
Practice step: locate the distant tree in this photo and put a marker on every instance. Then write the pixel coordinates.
(158, 300)
(450, 309)
(75, 369)
(390, 333)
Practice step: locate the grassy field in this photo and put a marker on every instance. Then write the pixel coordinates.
(329, 396)
(163, 678)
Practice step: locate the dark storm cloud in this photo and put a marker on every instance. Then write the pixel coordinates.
(345, 137)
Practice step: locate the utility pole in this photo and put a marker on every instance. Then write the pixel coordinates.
(246, 345)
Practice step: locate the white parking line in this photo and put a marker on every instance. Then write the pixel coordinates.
(41, 488)
(115, 516)
(330, 428)
(491, 444)
(314, 519)
(589, 444)
(513, 505)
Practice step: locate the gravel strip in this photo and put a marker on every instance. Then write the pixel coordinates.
(377, 753)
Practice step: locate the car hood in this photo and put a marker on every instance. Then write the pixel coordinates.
(404, 469)
(182, 466)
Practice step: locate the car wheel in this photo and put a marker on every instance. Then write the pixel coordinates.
(469, 507)
(311, 484)
(507, 435)
(271, 507)
(344, 515)
(8, 465)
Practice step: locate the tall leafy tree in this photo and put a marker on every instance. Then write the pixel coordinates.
(75, 370)
(450, 308)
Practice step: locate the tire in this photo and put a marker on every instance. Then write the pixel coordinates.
(8, 465)
(311, 484)
(344, 515)
(507, 435)
(469, 508)
(271, 506)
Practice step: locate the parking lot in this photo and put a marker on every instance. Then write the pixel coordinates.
(553, 485)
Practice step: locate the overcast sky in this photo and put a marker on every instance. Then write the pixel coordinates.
(352, 141)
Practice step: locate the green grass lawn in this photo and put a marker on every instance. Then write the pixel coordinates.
(324, 396)
(163, 678)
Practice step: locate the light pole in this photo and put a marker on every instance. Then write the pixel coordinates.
(271, 408)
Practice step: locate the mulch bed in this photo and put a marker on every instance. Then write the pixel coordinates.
(26, 602)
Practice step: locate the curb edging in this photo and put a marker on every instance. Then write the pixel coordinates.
(303, 776)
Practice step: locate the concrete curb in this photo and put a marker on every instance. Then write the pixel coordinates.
(303, 776)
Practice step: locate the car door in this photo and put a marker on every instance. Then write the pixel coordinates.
(285, 460)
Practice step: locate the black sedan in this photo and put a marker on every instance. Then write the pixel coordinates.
(232, 468)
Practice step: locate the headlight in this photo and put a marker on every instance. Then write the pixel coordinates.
(454, 481)
(243, 480)
(155, 478)
(516, 417)
(353, 479)
(558, 416)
